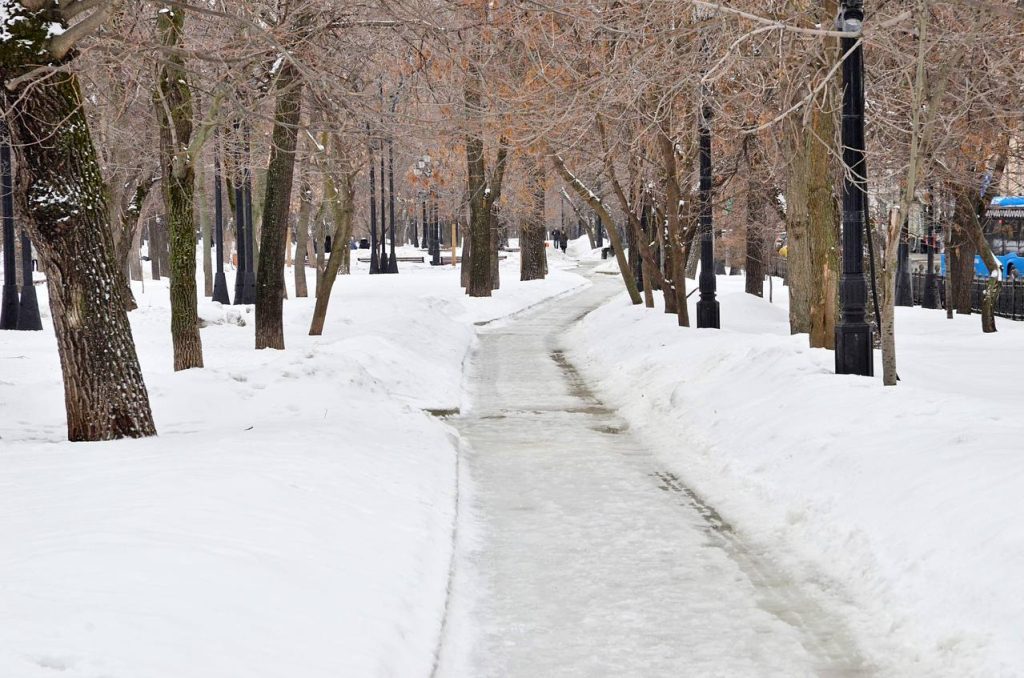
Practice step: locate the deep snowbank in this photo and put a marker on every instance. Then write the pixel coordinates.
(909, 496)
(294, 516)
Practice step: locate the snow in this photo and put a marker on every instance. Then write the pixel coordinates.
(293, 518)
(720, 496)
(900, 504)
(585, 558)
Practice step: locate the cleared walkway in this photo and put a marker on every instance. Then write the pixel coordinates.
(588, 559)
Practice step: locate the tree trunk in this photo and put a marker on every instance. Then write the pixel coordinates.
(960, 268)
(61, 192)
(342, 201)
(532, 252)
(134, 257)
(173, 104)
(302, 237)
(798, 252)
(466, 258)
(495, 245)
(822, 229)
(595, 204)
(277, 200)
(206, 227)
(153, 248)
(677, 266)
(479, 222)
(127, 239)
(756, 237)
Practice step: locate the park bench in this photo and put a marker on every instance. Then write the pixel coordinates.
(411, 260)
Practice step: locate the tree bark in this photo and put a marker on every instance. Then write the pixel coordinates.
(277, 200)
(532, 252)
(173, 105)
(302, 237)
(822, 228)
(60, 191)
(206, 228)
(341, 197)
(960, 254)
(677, 265)
(758, 197)
(798, 252)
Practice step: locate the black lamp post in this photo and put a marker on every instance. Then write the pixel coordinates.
(220, 283)
(904, 285)
(9, 307)
(708, 314)
(854, 354)
(435, 240)
(239, 240)
(392, 259)
(249, 288)
(374, 261)
(383, 267)
(425, 241)
(931, 285)
(28, 311)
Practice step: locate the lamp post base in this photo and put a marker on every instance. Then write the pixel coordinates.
(931, 292)
(9, 307)
(28, 310)
(249, 287)
(708, 314)
(854, 351)
(239, 288)
(220, 288)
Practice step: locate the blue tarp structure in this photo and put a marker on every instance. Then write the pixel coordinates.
(1007, 201)
(1006, 207)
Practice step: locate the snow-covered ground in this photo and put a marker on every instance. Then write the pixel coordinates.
(294, 516)
(900, 504)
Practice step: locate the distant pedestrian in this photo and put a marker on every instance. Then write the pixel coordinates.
(563, 238)
(555, 237)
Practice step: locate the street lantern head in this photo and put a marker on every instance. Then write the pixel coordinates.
(850, 25)
(851, 17)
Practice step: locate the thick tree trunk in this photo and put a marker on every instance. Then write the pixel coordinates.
(277, 200)
(60, 190)
(822, 230)
(480, 284)
(532, 252)
(759, 196)
(960, 269)
(798, 251)
(173, 105)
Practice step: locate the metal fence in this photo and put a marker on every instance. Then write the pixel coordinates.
(1011, 298)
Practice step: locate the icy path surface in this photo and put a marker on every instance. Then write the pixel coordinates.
(580, 556)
